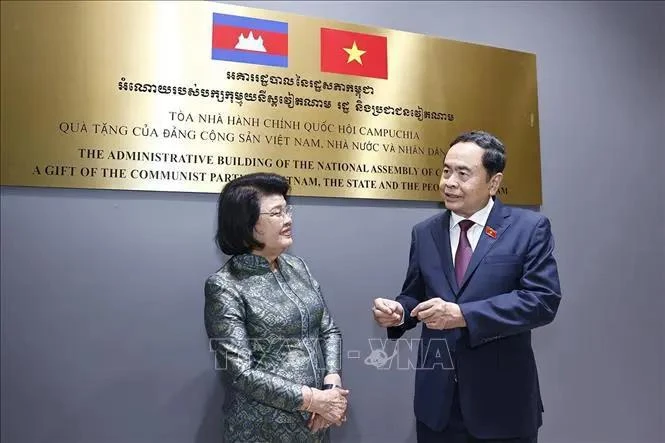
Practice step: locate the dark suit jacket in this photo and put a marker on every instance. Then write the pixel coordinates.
(511, 286)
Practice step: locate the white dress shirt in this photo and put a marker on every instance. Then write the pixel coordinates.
(473, 234)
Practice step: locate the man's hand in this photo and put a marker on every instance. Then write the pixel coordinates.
(387, 312)
(439, 314)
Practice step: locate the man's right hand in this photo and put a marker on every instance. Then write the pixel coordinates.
(387, 312)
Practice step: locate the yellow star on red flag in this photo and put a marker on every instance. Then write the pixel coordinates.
(354, 53)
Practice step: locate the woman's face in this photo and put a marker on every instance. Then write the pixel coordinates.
(273, 228)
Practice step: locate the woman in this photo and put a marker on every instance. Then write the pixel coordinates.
(275, 340)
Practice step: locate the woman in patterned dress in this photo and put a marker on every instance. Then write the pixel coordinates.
(276, 343)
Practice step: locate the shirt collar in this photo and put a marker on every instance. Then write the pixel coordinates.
(480, 217)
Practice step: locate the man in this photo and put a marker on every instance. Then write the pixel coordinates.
(481, 276)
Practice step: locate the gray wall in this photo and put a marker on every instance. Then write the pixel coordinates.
(102, 292)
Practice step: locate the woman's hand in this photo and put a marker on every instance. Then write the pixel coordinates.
(332, 379)
(317, 423)
(330, 404)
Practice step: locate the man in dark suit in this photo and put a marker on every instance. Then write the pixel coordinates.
(481, 276)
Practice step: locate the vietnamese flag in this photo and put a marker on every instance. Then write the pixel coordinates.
(354, 53)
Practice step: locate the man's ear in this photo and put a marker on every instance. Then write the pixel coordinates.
(495, 182)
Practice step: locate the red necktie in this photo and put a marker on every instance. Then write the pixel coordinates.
(464, 251)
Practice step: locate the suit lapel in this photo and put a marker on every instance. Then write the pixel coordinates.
(497, 223)
(441, 235)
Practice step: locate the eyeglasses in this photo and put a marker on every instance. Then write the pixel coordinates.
(281, 213)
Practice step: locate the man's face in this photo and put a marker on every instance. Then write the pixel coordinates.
(464, 185)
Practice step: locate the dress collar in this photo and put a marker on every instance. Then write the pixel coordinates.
(252, 263)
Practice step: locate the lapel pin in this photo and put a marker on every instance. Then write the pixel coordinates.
(489, 231)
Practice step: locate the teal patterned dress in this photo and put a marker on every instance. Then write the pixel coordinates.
(271, 333)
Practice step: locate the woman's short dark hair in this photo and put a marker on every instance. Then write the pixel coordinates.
(238, 210)
(494, 157)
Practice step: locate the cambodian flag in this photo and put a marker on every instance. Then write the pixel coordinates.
(250, 40)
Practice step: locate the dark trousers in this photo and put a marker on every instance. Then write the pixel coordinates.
(456, 432)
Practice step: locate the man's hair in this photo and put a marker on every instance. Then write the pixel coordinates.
(494, 157)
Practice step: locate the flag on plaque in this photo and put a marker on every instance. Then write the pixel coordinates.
(354, 53)
(250, 40)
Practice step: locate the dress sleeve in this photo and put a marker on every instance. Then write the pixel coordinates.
(225, 326)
